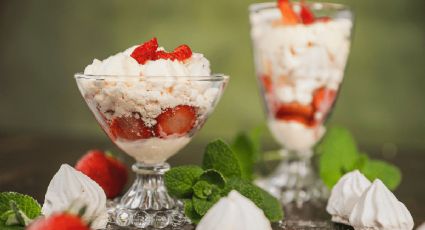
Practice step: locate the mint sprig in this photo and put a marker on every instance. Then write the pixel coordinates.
(221, 172)
(339, 154)
(17, 210)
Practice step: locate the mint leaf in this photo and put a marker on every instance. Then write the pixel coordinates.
(202, 206)
(213, 177)
(202, 189)
(179, 180)
(219, 156)
(245, 152)
(190, 212)
(270, 205)
(28, 205)
(388, 173)
(338, 155)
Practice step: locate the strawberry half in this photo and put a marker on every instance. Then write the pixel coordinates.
(176, 121)
(295, 112)
(323, 99)
(129, 128)
(62, 221)
(182, 52)
(307, 17)
(110, 173)
(146, 51)
(288, 14)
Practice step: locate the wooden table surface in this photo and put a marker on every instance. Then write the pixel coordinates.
(27, 163)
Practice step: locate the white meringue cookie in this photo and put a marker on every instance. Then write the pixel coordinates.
(379, 209)
(70, 187)
(234, 212)
(345, 195)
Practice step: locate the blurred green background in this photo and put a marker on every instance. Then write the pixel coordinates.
(44, 42)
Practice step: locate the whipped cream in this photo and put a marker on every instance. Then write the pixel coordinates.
(154, 149)
(234, 212)
(345, 195)
(69, 188)
(379, 209)
(296, 136)
(421, 227)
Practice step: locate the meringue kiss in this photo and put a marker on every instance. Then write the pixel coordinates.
(234, 212)
(70, 188)
(345, 195)
(379, 209)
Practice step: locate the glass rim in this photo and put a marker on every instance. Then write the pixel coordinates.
(212, 77)
(255, 7)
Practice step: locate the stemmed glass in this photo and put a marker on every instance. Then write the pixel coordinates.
(150, 119)
(300, 68)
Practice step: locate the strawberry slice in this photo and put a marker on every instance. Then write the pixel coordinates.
(146, 51)
(295, 112)
(129, 128)
(323, 99)
(176, 121)
(307, 17)
(182, 52)
(267, 83)
(288, 14)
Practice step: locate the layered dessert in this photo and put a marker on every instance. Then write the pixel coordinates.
(150, 101)
(300, 59)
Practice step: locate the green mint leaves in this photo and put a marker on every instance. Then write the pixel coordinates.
(339, 154)
(17, 210)
(223, 170)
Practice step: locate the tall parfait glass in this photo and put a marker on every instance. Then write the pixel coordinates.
(300, 67)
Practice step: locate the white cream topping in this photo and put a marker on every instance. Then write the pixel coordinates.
(296, 136)
(305, 57)
(153, 150)
(345, 195)
(421, 227)
(69, 188)
(379, 209)
(234, 212)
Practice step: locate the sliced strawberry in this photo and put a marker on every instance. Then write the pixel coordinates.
(182, 52)
(129, 128)
(164, 55)
(146, 51)
(267, 83)
(323, 99)
(306, 15)
(295, 112)
(176, 121)
(288, 14)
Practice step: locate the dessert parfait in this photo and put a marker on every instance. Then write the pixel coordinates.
(150, 102)
(300, 52)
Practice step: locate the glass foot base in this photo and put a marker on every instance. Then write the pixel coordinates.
(295, 183)
(316, 225)
(125, 218)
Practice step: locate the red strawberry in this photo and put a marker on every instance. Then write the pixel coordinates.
(62, 221)
(295, 112)
(323, 99)
(306, 15)
(164, 55)
(288, 14)
(129, 128)
(146, 51)
(176, 121)
(110, 173)
(182, 52)
(267, 83)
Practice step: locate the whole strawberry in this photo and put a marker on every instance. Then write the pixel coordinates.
(110, 173)
(62, 221)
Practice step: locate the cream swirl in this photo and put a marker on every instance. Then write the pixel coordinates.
(234, 212)
(345, 195)
(70, 187)
(379, 209)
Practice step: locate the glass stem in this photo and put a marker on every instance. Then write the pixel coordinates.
(148, 191)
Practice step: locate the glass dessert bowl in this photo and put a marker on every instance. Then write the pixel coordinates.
(300, 52)
(150, 119)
